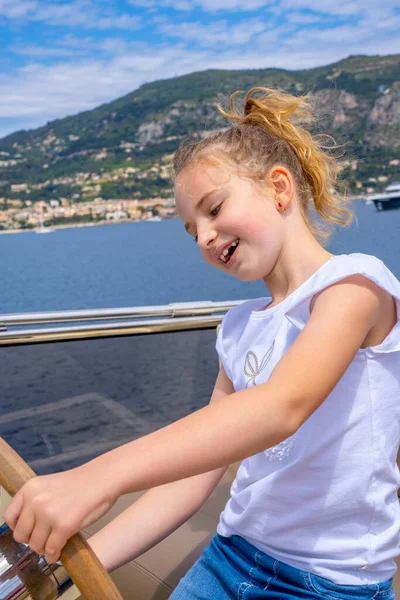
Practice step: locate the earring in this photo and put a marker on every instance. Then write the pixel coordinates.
(281, 207)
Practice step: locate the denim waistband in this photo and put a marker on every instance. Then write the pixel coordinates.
(267, 568)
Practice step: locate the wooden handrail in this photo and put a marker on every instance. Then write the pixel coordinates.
(83, 566)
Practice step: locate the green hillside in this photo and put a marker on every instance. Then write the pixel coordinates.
(122, 149)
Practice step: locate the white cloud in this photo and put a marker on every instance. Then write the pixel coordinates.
(38, 93)
(306, 18)
(72, 46)
(33, 51)
(237, 5)
(90, 71)
(339, 8)
(206, 5)
(214, 33)
(80, 13)
(144, 3)
(17, 10)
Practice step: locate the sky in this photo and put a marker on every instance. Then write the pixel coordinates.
(61, 57)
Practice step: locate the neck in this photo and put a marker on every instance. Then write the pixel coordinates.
(300, 257)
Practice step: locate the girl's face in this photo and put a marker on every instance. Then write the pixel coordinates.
(237, 225)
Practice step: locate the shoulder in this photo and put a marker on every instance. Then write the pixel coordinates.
(367, 265)
(352, 277)
(361, 274)
(354, 293)
(366, 294)
(356, 262)
(356, 278)
(361, 270)
(363, 261)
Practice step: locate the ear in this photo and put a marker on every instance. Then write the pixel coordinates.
(281, 181)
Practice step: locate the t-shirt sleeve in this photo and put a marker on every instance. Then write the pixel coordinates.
(220, 346)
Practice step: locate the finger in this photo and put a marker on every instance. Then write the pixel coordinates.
(39, 537)
(54, 545)
(24, 527)
(13, 510)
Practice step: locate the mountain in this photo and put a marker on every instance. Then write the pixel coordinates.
(122, 149)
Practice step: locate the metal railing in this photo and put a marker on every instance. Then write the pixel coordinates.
(51, 326)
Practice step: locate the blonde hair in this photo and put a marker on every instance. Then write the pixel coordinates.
(269, 132)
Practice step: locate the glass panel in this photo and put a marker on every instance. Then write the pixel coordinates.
(65, 402)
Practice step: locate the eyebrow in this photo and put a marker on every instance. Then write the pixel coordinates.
(200, 204)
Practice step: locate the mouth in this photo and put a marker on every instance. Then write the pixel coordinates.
(227, 254)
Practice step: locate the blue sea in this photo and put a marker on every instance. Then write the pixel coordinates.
(148, 263)
(64, 403)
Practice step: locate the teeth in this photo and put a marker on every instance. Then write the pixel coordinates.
(225, 252)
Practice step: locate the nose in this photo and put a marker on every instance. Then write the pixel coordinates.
(206, 237)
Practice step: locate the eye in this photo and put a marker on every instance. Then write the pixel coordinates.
(216, 210)
(195, 239)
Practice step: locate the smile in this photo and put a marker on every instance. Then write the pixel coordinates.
(227, 254)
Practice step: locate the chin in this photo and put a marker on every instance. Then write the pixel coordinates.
(249, 277)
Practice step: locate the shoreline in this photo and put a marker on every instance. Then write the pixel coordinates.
(99, 223)
(79, 225)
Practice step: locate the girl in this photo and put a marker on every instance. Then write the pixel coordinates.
(307, 394)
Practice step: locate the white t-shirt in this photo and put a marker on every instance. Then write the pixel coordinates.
(324, 500)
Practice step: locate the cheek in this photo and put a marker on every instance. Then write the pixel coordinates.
(254, 231)
(268, 231)
(253, 224)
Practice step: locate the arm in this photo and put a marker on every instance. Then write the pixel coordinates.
(239, 425)
(153, 517)
(229, 431)
(158, 512)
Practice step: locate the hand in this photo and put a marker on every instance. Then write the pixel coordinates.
(49, 509)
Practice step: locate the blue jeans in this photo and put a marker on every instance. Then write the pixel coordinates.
(233, 569)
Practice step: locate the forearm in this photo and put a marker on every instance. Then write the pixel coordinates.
(242, 424)
(149, 520)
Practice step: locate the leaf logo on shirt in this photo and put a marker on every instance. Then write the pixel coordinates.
(251, 366)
